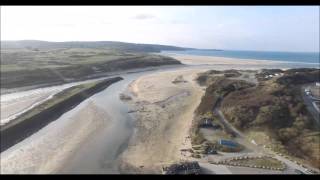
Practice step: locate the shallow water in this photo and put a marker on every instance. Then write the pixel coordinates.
(99, 155)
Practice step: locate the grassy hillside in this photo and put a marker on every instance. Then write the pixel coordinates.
(276, 108)
(273, 112)
(26, 67)
(33, 44)
(217, 87)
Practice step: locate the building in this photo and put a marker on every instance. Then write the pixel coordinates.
(228, 143)
(207, 123)
(183, 168)
(307, 91)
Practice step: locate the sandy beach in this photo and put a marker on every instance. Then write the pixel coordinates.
(164, 113)
(210, 60)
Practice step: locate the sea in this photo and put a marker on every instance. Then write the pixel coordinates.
(310, 58)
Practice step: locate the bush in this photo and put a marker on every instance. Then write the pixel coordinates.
(287, 134)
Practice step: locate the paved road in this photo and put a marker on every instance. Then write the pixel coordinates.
(227, 124)
(308, 101)
(315, 106)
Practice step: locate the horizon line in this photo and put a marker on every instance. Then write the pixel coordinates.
(163, 45)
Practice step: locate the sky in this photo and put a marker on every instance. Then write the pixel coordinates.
(262, 28)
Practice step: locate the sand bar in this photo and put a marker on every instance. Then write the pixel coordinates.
(163, 120)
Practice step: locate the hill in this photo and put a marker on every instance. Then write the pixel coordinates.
(132, 47)
(30, 67)
(272, 113)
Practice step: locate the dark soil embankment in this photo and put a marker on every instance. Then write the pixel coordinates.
(15, 131)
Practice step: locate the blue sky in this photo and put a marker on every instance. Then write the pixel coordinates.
(267, 28)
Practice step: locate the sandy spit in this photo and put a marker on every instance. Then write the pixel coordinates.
(164, 113)
(196, 60)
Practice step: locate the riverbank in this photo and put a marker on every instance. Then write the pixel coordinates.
(38, 117)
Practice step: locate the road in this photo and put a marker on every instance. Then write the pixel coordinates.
(226, 124)
(309, 102)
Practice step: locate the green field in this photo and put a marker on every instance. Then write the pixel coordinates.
(30, 59)
(31, 66)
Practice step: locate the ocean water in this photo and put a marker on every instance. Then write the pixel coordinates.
(294, 57)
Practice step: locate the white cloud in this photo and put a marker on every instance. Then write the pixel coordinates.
(202, 27)
(144, 16)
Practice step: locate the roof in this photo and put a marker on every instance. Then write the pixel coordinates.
(228, 143)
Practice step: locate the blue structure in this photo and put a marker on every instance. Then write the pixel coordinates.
(230, 144)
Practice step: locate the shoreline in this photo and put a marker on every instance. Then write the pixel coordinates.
(233, 59)
(32, 121)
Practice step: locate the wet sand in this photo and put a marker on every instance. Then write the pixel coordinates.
(48, 149)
